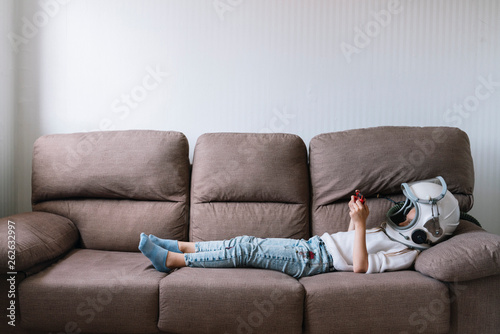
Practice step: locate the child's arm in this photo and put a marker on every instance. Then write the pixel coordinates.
(359, 213)
(358, 197)
(351, 226)
(360, 255)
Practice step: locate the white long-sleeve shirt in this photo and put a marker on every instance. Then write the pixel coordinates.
(384, 254)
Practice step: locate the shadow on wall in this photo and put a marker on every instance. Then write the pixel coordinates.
(27, 20)
(7, 111)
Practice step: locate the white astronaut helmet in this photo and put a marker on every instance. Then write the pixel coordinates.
(435, 215)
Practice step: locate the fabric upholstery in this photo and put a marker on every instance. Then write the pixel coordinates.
(236, 300)
(263, 220)
(135, 164)
(116, 224)
(93, 291)
(391, 302)
(114, 185)
(255, 184)
(470, 254)
(475, 306)
(377, 160)
(248, 167)
(39, 237)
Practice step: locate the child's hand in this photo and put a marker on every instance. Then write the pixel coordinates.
(359, 212)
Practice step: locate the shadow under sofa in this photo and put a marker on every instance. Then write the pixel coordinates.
(79, 269)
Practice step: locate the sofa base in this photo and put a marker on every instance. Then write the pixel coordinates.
(475, 306)
(92, 291)
(227, 301)
(392, 302)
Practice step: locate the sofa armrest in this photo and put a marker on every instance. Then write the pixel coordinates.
(34, 238)
(469, 254)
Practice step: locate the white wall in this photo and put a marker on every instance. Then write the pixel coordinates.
(8, 192)
(260, 65)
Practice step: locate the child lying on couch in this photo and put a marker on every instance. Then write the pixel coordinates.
(429, 214)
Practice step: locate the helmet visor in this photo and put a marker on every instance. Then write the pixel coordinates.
(402, 216)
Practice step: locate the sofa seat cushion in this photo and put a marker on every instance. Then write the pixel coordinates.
(230, 300)
(392, 302)
(93, 291)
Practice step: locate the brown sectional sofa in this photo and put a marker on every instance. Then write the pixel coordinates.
(79, 270)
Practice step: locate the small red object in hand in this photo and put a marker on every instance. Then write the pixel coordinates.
(359, 196)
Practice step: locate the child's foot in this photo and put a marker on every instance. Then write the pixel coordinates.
(170, 245)
(156, 254)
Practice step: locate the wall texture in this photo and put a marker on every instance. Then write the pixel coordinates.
(8, 190)
(303, 67)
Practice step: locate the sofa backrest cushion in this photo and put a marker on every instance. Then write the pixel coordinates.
(376, 161)
(114, 185)
(249, 184)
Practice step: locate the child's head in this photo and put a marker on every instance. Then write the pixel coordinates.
(429, 214)
(409, 217)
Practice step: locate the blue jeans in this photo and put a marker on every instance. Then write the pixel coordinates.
(297, 258)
